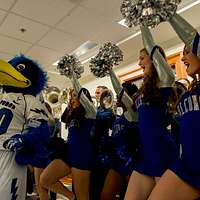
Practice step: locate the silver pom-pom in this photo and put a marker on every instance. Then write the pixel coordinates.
(99, 67)
(148, 12)
(111, 53)
(69, 64)
(108, 56)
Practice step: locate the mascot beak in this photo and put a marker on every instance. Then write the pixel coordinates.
(9, 76)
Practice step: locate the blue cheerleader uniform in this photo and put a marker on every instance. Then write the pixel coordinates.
(79, 148)
(101, 138)
(188, 166)
(158, 149)
(125, 146)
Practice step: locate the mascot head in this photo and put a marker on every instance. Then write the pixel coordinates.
(22, 75)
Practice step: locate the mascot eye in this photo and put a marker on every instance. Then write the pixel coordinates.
(20, 67)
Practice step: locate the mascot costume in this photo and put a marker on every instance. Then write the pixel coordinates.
(24, 130)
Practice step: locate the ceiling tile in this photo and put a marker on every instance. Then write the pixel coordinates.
(6, 4)
(2, 15)
(159, 35)
(165, 32)
(12, 46)
(109, 9)
(13, 23)
(44, 56)
(87, 25)
(58, 81)
(46, 11)
(191, 15)
(62, 42)
(82, 24)
(114, 33)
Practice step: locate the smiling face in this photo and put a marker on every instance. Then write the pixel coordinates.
(74, 101)
(145, 62)
(98, 93)
(191, 61)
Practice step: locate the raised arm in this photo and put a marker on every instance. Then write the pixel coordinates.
(85, 102)
(164, 71)
(127, 101)
(186, 32)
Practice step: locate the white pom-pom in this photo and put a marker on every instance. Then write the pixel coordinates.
(148, 12)
(69, 64)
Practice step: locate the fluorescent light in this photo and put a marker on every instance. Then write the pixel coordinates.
(82, 49)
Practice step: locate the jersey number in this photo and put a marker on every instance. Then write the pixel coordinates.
(6, 116)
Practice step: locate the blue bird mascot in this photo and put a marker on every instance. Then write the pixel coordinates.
(24, 130)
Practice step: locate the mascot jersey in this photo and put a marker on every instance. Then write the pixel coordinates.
(17, 113)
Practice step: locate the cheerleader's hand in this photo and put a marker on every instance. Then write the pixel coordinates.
(14, 143)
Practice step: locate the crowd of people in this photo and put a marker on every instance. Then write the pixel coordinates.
(150, 151)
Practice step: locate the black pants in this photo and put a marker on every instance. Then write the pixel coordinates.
(97, 179)
(30, 182)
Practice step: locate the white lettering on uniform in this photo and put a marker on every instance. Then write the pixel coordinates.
(189, 104)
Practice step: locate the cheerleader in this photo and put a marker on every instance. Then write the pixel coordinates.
(158, 150)
(79, 153)
(101, 143)
(124, 141)
(182, 179)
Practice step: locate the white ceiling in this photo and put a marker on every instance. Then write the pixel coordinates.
(56, 27)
